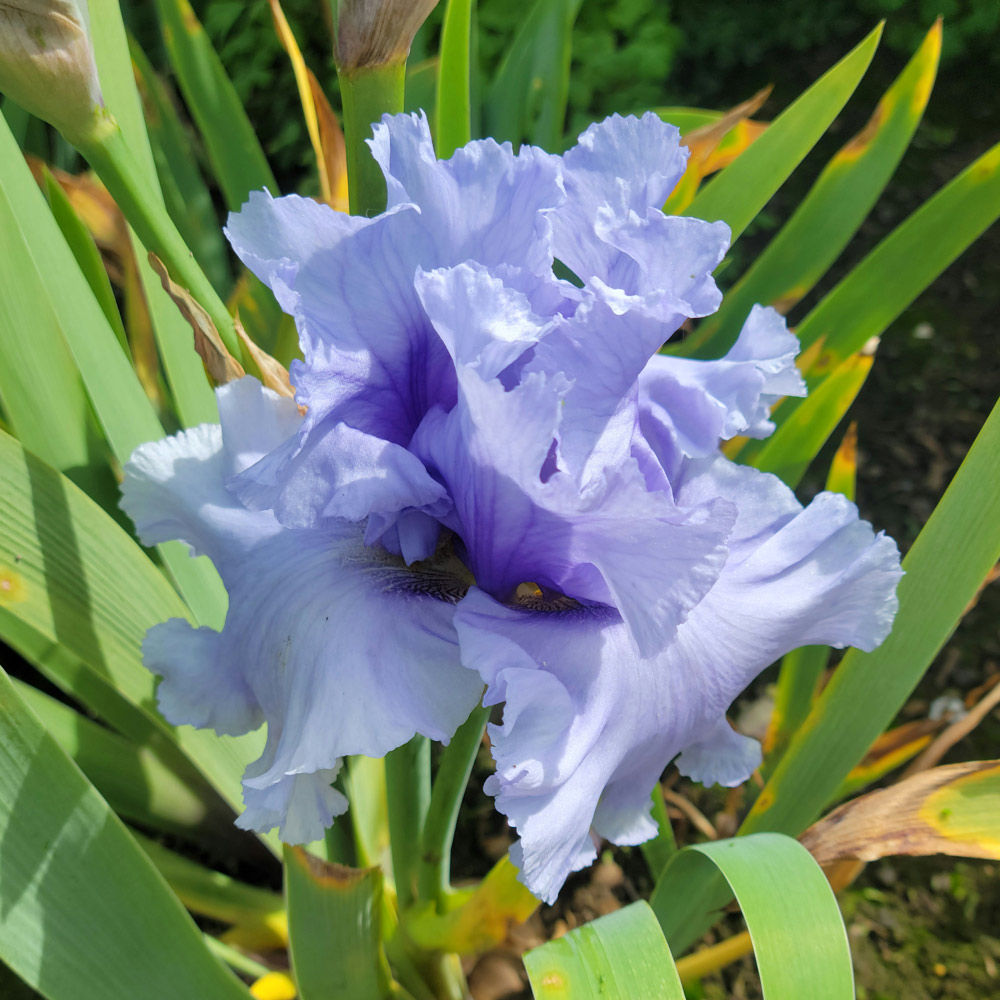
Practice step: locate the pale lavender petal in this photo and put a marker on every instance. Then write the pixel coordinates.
(688, 406)
(483, 204)
(483, 322)
(339, 647)
(628, 165)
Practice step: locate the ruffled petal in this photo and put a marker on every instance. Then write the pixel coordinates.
(301, 806)
(339, 647)
(688, 406)
(628, 165)
(483, 322)
(176, 488)
(483, 204)
(589, 724)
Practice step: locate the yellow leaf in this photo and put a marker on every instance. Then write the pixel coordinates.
(844, 467)
(321, 123)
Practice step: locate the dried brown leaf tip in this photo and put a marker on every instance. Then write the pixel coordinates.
(272, 373)
(953, 809)
(221, 366)
(377, 32)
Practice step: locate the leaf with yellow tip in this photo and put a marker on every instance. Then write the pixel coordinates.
(837, 204)
(713, 146)
(479, 919)
(274, 986)
(789, 451)
(321, 123)
(335, 929)
(843, 474)
(891, 750)
(953, 809)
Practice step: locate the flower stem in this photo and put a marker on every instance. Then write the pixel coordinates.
(446, 798)
(367, 94)
(408, 781)
(106, 150)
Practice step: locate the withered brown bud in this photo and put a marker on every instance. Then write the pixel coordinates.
(377, 32)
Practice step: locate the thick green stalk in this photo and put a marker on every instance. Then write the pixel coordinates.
(108, 153)
(367, 94)
(449, 785)
(408, 779)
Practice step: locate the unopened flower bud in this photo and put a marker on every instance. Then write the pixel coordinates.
(374, 33)
(47, 62)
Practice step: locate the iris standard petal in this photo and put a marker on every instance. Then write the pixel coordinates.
(627, 165)
(483, 204)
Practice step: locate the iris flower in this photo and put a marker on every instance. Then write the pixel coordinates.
(499, 481)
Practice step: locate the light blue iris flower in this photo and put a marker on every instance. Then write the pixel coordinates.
(498, 481)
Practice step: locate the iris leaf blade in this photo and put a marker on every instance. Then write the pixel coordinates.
(529, 95)
(122, 409)
(238, 161)
(185, 192)
(80, 898)
(622, 956)
(788, 452)
(836, 205)
(334, 923)
(453, 115)
(784, 896)
(740, 191)
(946, 565)
(192, 394)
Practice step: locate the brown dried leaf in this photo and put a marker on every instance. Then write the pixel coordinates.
(271, 371)
(953, 809)
(333, 163)
(222, 367)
